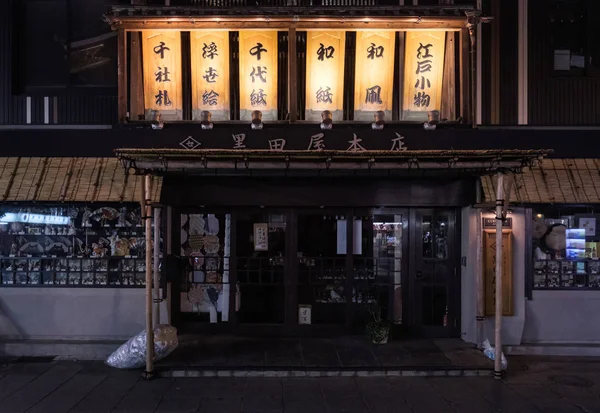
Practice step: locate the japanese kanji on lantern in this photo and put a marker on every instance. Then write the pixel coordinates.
(325, 73)
(258, 73)
(423, 73)
(162, 74)
(374, 80)
(210, 73)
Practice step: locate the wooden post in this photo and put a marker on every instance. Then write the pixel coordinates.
(499, 222)
(136, 84)
(465, 94)
(292, 76)
(448, 110)
(122, 74)
(479, 282)
(156, 251)
(149, 373)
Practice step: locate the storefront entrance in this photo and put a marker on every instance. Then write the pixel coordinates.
(305, 271)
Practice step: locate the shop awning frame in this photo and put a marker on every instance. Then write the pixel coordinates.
(201, 161)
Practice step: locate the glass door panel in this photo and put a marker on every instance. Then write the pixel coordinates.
(321, 260)
(433, 271)
(377, 266)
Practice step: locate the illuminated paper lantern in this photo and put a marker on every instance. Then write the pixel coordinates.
(162, 74)
(210, 74)
(374, 79)
(423, 73)
(325, 73)
(258, 73)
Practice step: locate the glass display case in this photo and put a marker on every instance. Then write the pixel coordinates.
(72, 246)
(565, 253)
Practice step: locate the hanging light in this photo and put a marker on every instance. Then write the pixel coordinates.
(379, 120)
(157, 122)
(256, 120)
(205, 120)
(433, 118)
(326, 120)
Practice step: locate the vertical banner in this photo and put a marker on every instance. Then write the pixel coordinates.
(161, 52)
(210, 73)
(489, 274)
(423, 73)
(258, 73)
(374, 79)
(325, 73)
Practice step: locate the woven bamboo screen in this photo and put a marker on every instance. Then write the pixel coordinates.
(560, 181)
(70, 180)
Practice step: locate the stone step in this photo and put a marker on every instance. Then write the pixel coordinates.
(178, 372)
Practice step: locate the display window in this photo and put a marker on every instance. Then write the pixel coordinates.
(91, 245)
(565, 249)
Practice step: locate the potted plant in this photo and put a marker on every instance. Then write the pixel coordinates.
(378, 330)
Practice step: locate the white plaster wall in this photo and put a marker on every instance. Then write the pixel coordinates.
(562, 317)
(512, 327)
(71, 313)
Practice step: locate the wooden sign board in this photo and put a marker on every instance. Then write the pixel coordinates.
(491, 223)
(489, 272)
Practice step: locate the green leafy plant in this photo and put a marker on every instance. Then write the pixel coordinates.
(378, 329)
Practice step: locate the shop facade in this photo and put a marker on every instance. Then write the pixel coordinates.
(554, 264)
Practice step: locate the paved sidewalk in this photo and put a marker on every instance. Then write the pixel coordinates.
(532, 386)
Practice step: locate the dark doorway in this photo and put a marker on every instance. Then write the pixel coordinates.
(261, 266)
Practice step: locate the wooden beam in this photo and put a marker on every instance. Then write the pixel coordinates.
(292, 76)
(122, 74)
(225, 23)
(401, 57)
(465, 85)
(136, 84)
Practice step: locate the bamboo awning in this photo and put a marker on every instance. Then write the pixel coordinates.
(554, 181)
(163, 161)
(69, 180)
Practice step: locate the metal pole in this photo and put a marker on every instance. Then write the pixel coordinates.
(499, 222)
(149, 327)
(156, 245)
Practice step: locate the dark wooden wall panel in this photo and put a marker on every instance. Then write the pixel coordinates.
(554, 100)
(485, 49)
(509, 40)
(79, 106)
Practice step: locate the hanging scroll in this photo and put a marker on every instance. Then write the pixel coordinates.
(162, 74)
(325, 74)
(210, 73)
(258, 73)
(374, 82)
(423, 73)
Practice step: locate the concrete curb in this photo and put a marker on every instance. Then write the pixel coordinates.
(192, 372)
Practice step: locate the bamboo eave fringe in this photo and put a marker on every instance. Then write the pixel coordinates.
(69, 180)
(555, 181)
